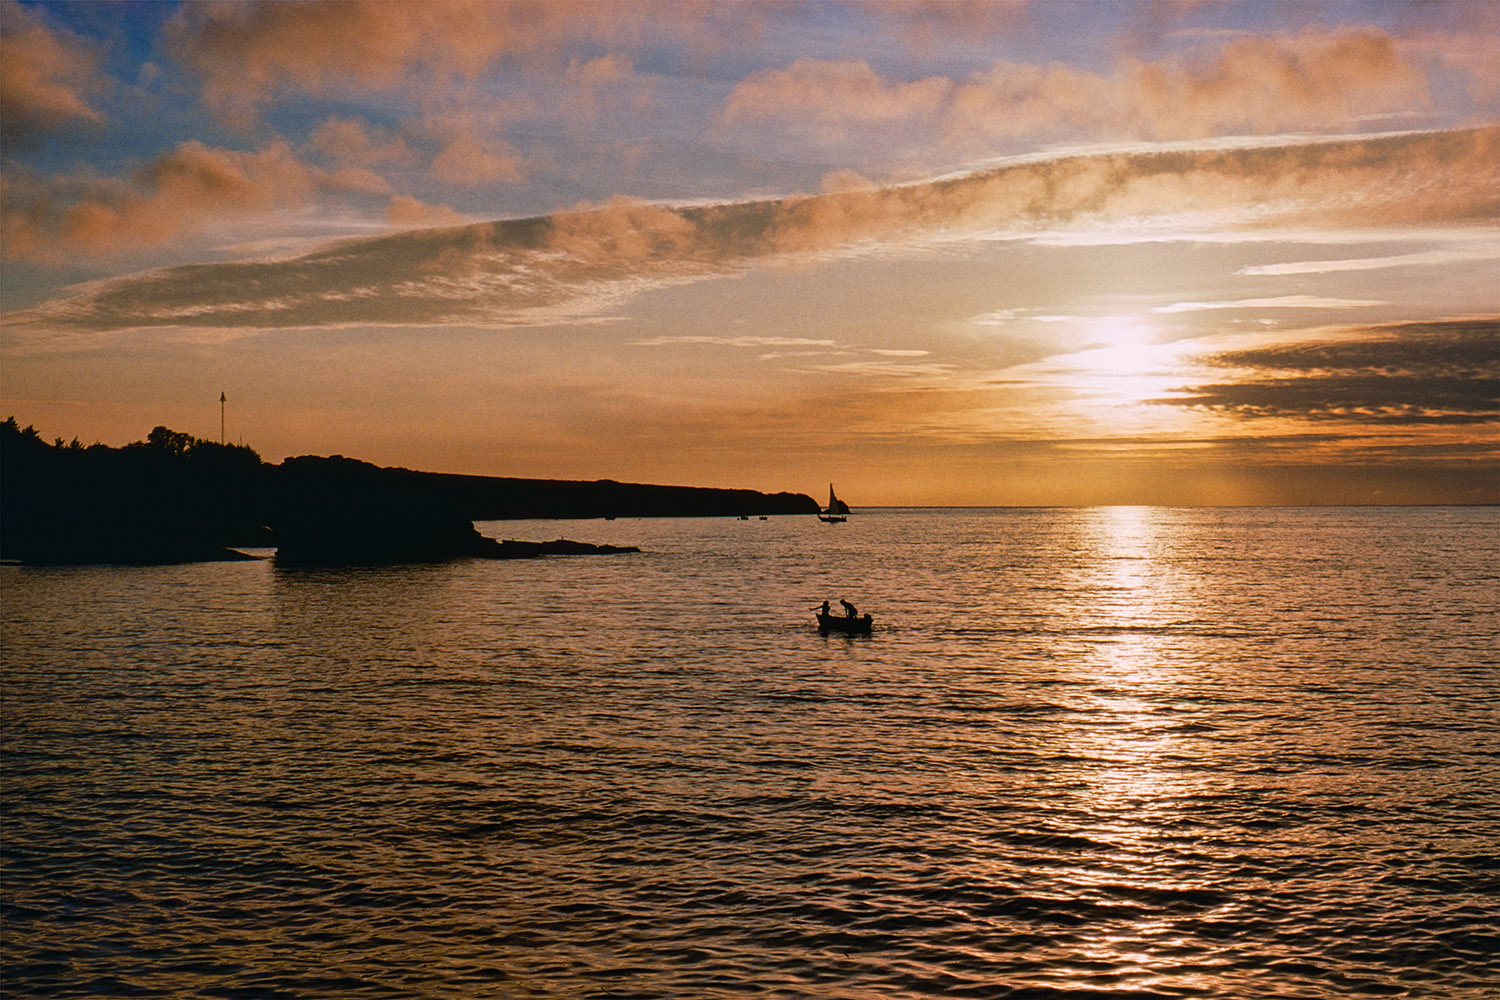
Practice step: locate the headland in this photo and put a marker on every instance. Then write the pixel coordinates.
(175, 498)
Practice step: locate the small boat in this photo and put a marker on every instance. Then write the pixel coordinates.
(837, 512)
(844, 623)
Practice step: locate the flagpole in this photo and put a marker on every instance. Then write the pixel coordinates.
(221, 417)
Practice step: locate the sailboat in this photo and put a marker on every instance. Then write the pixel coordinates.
(837, 512)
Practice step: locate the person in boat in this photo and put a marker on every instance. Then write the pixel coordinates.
(823, 610)
(849, 609)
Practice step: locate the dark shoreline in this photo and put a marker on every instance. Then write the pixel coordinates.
(173, 499)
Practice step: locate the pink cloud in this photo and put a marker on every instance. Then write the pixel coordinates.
(829, 94)
(348, 141)
(605, 82)
(1263, 85)
(473, 160)
(500, 272)
(929, 24)
(247, 51)
(45, 75)
(184, 192)
(411, 213)
(1318, 80)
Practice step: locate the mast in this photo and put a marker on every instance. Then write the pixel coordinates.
(221, 417)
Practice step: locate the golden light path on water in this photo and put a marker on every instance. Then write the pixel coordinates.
(1176, 752)
(1138, 778)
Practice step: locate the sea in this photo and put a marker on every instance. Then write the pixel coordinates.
(1124, 752)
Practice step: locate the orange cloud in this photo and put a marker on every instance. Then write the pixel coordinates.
(930, 24)
(411, 213)
(1262, 85)
(184, 192)
(473, 160)
(499, 272)
(1477, 55)
(1014, 99)
(608, 81)
(1317, 80)
(45, 76)
(246, 51)
(830, 93)
(347, 141)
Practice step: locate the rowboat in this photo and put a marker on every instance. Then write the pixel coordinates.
(844, 623)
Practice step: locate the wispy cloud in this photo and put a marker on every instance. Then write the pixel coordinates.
(502, 272)
(938, 372)
(1274, 302)
(735, 341)
(248, 53)
(1252, 84)
(182, 192)
(1404, 374)
(1425, 258)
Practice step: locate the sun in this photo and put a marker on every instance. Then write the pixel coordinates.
(1119, 333)
(1120, 347)
(1122, 362)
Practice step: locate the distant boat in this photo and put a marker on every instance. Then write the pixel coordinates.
(837, 511)
(843, 623)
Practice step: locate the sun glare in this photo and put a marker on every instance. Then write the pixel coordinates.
(1109, 367)
(1121, 359)
(1120, 332)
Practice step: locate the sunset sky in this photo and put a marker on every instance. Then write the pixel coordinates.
(936, 253)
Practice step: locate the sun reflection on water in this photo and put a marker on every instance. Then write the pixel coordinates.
(1144, 763)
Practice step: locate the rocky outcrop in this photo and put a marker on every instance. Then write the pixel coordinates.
(338, 511)
(512, 549)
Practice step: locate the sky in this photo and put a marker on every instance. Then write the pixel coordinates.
(936, 253)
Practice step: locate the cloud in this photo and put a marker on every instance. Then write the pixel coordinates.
(928, 26)
(502, 272)
(1467, 46)
(1445, 372)
(247, 52)
(736, 341)
(1261, 85)
(1000, 317)
(831, 94)
(181, 193)
(606, 82)
(1425, 258)
(412, 213)
(1249, 85)
(1276, 302)
(46, 76)
(930, 373)
(349, 141)
(471, 160)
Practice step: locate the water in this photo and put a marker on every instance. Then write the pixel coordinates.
(1121, 752)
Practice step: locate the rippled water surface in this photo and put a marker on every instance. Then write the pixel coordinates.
(1121, 752)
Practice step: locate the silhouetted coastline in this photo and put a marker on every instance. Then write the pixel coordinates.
(174, 498)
